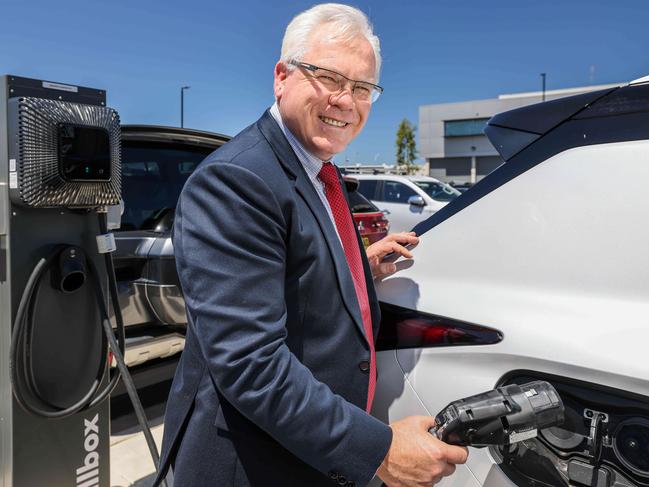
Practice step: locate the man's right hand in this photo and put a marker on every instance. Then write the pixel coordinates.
(417, 458)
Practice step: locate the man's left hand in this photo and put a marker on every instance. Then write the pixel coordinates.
(393, 242)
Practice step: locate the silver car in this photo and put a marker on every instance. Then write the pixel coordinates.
(156, 162)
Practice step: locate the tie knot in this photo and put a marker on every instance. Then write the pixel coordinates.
(328, 174)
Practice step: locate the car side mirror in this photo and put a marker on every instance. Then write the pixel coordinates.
(416, 201)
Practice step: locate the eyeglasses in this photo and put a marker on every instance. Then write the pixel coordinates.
(362, 91)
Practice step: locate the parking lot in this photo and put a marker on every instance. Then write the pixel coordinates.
(470, 310)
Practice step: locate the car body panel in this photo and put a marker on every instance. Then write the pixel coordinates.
(399, 400)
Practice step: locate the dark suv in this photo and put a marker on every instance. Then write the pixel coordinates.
(156, 162)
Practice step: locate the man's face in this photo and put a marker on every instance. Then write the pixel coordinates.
(312, 113)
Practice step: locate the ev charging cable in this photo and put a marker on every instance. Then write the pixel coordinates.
(117, 350)
(22, 374)
(21, 371)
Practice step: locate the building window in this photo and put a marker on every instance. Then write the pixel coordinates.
(464, 128)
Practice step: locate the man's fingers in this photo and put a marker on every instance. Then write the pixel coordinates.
(449, 469)
(427, 422)
(387, 268)
(456, 454)
(405, 238)
(416, 457)
(399, 249)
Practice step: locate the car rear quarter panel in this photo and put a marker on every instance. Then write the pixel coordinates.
(556, 260)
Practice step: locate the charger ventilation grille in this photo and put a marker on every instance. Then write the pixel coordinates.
(40, 183)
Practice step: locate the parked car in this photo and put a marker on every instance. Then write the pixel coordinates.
(461, 187)
(156, 162)
(371, 222)
(407, 200)
(532, 274)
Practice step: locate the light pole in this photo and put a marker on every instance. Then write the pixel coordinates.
(182, 105)
(543, 86)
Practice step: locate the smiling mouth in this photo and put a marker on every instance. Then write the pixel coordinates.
(332, 122)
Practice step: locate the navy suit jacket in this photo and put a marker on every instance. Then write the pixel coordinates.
(272, 383)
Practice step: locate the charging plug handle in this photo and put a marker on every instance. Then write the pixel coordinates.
(503, 416)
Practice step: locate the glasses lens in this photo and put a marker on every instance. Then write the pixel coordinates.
(364, 91)
(328, 79)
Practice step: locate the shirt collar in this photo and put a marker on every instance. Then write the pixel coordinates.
(312, 164)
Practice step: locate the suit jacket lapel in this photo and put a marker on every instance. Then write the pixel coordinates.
(273, 133)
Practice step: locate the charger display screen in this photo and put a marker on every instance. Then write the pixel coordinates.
(84, 153)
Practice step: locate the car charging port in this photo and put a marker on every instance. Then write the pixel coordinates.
(592, 474)
(602, 442)
(598, 434)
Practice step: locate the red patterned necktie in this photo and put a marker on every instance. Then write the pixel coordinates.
(345, 225)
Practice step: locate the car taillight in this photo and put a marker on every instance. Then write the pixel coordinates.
(380, 224)
(406, 328)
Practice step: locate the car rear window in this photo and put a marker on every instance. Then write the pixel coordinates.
(153, 174)
(360, 204)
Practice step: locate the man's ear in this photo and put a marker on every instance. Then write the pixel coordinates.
(280, 74)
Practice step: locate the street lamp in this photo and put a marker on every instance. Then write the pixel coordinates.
(182, 105)
(543, 86)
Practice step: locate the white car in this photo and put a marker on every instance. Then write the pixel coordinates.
(537, 273)
(406, 200)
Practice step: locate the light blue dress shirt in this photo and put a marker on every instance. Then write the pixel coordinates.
(312, 164)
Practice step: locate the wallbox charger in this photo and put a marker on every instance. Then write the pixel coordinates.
(60, 170)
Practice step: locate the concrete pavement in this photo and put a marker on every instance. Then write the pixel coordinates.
(130, 460)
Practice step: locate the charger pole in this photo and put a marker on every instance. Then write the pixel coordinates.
(35, 450)
(6, 437)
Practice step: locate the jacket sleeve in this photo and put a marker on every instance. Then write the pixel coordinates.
(231, 255)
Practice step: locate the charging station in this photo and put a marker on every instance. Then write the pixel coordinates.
(59, 171)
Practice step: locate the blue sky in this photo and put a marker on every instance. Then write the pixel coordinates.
(143, 51)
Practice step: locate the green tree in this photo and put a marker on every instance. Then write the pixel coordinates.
(406, 147)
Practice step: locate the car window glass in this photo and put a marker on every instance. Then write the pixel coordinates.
(360, 204)
(438, 191)
(153, 175)
(394, 192)
(187, 167)
(140, 168)
(367, 187)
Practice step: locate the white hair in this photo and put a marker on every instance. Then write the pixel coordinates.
(346, 24)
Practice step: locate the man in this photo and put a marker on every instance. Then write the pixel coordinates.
(278, 373)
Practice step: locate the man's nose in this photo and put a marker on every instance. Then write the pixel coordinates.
(344, 98)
